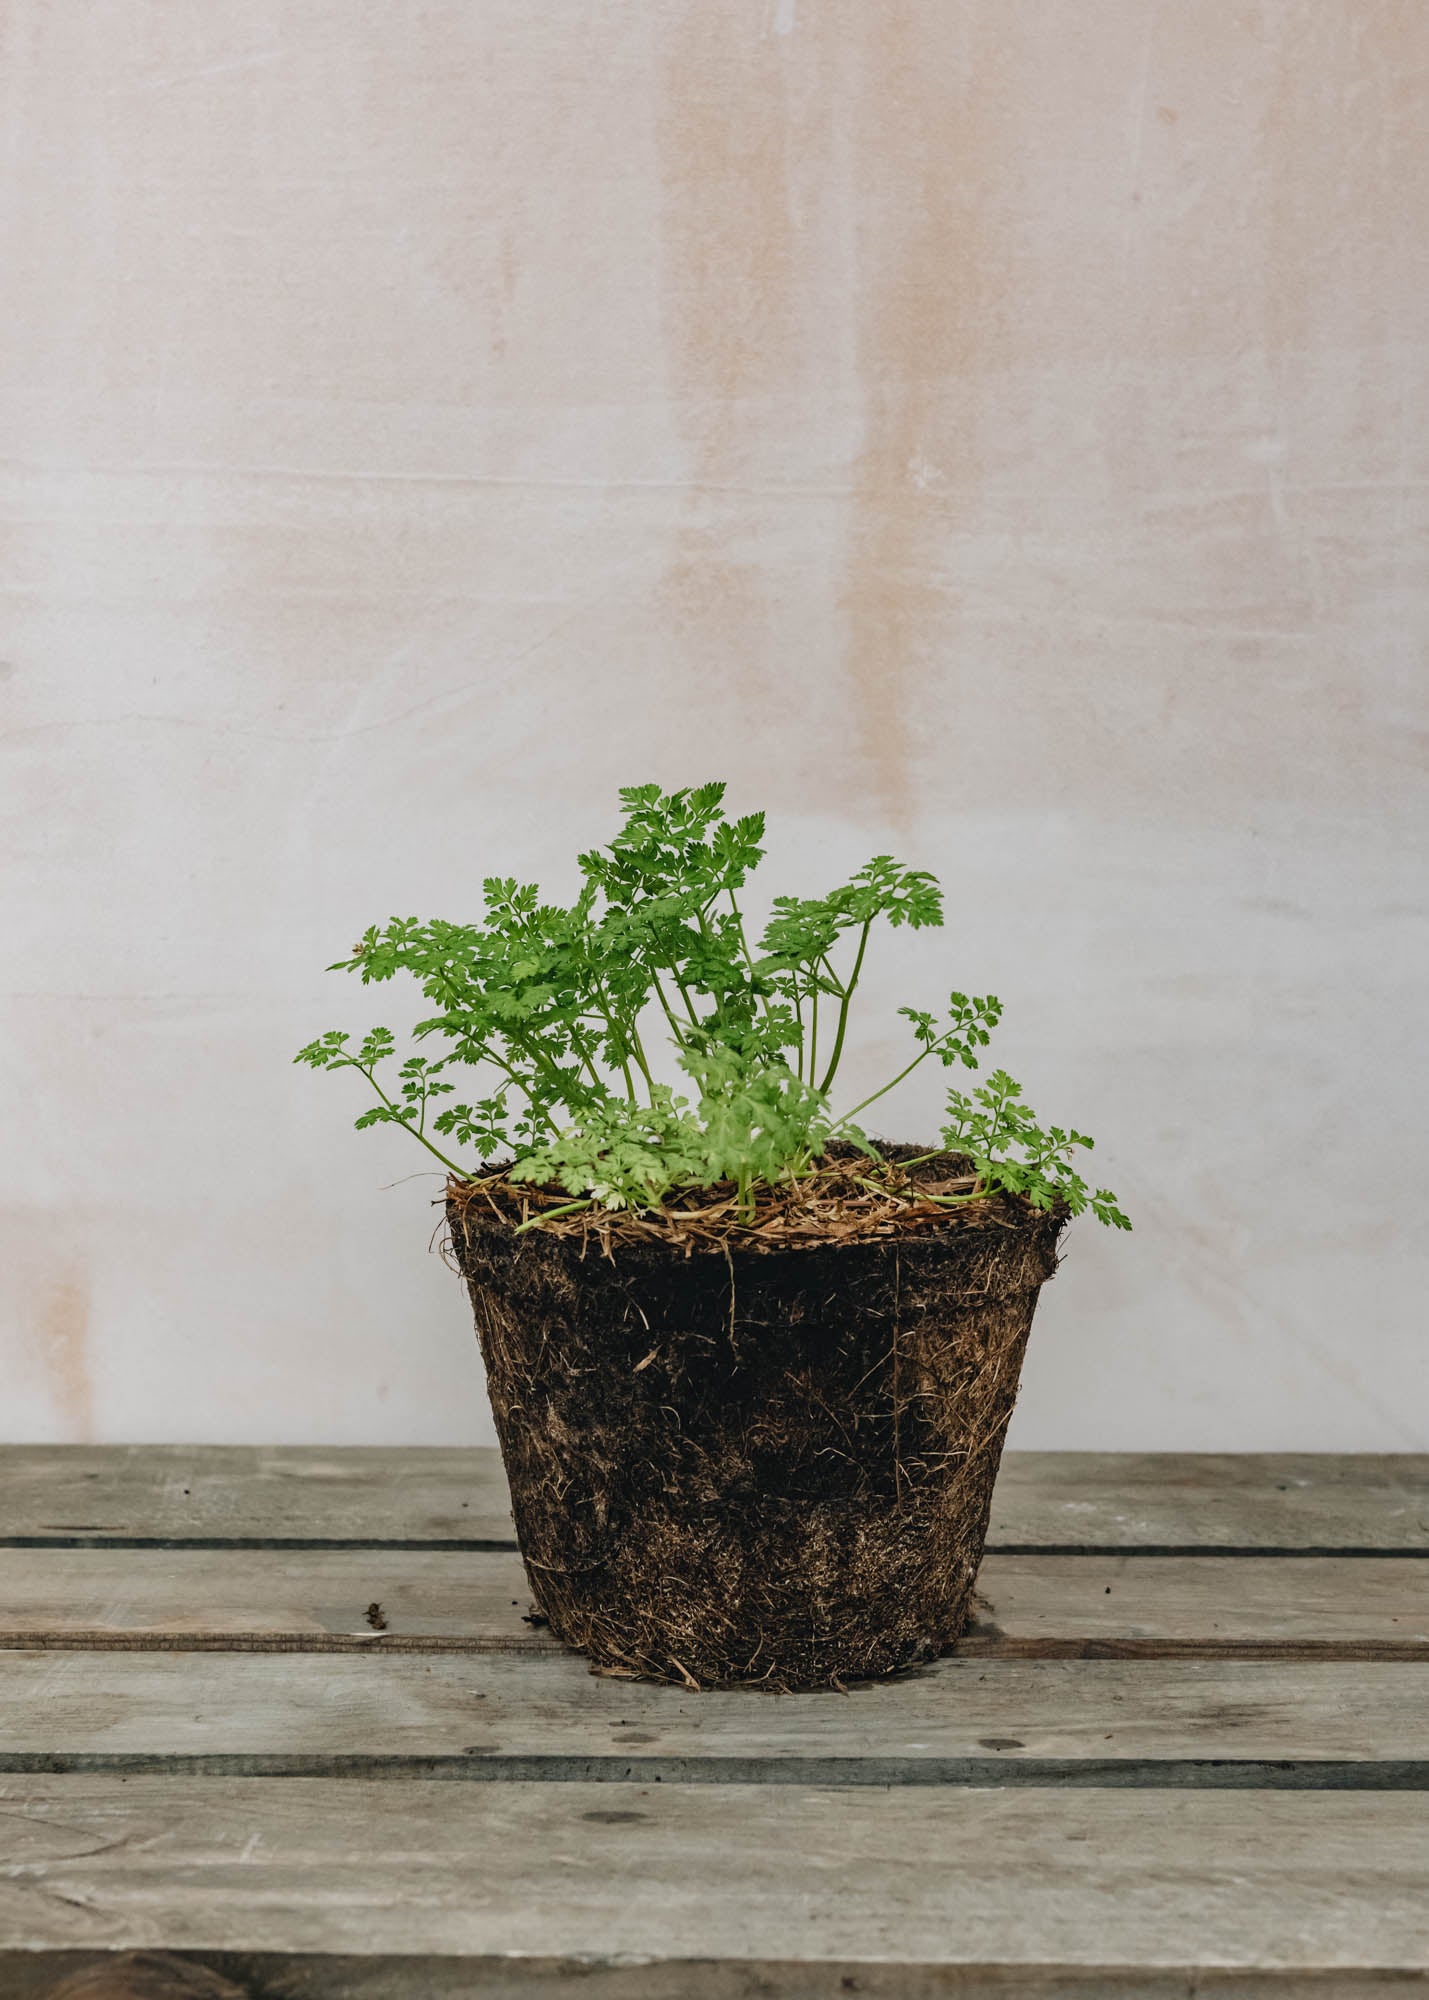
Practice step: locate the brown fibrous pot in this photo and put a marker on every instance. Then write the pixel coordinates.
(755, 1465)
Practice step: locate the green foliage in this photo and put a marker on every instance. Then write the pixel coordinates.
(550, 1008)
(750, 1123)
(1011, 1150)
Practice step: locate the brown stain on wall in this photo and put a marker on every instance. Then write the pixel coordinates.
(729, 232)
(64, 1331)
(846, 157)
(737, 138)
(1344, 240)
(926, 316)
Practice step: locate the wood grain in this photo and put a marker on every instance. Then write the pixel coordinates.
(1043, 1604)
(967, 1830)
(1030, 1606)
(358, 1493)
(1210, 1500)
(372, 1495)
(503, 1706)
(746, 1873)
(321, 1598)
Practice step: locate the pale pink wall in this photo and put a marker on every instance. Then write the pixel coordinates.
(994, 429)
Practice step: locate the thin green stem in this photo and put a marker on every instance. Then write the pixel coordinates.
(875, 1187)
(547, 1214)
(628, 1080)
(402, 1119)
(685, 996)
(980, 1193)
(923, 1054)
(499, 1062)
(524, 1087)
(543, 1062)
(675, 1029)
(620, 1033)
(743, 940)
(848, 1116)
(637, 1049)
(837, 1055)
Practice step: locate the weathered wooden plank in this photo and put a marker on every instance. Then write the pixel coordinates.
(374, 1494)
(1254, 1500)
(357, 1493)
(339, 1976)
(316, 1597)
(1033, 1606)
(759, 1875)
(1038, 1604)
(498, 1706)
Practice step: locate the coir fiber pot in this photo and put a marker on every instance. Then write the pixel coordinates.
(749, 1465)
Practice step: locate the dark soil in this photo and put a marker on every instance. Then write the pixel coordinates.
(754, 1461)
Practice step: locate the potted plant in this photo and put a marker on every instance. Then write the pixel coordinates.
(750, 1369)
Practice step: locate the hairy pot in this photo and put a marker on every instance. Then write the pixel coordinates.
(740, 1464)
(751, 1434)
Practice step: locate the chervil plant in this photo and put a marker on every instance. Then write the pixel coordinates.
(548, 1016)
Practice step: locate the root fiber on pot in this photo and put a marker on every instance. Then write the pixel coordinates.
(762, 1457)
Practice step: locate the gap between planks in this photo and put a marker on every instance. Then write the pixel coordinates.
(494, 1545)
(1302, 1774)
(308, 1975)
(973, 1647)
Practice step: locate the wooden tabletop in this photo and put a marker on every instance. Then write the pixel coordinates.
(284, 1712)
